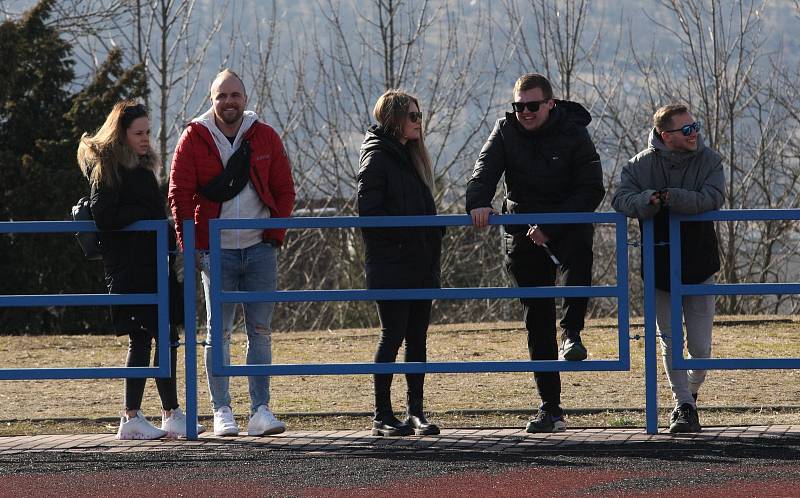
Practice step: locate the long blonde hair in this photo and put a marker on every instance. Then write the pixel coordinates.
(102, 156)
(390, 111)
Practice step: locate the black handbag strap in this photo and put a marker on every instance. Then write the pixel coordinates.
(233, 178)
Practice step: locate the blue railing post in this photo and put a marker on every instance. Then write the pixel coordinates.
(162, 266)
(675, 289)
(623, 295)
(190, 328)
(650, 340)
(215, 325)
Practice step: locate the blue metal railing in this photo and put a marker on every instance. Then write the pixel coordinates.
(618, 291)
(160, 298)
(678, 290)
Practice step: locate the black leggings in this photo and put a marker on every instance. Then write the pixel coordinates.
(401, 320)
(139, 348)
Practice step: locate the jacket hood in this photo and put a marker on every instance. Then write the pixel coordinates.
(207, 120)
(573, 112)
(563, 117)
(377, 138)
(655, 143)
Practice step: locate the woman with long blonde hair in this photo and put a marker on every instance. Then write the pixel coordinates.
(396, 179)
(122, 169)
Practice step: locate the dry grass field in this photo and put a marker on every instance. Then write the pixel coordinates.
(28, 407)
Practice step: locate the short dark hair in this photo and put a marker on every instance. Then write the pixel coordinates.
(534, 80)
(662, 119)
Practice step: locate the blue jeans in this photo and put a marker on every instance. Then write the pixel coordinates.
(251, 269)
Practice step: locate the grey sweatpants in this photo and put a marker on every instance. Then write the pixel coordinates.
(698, 317)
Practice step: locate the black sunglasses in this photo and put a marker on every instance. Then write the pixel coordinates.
(415, 116)
(532, 106)
(686, 130)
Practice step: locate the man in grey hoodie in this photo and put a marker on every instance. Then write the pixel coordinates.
(678, 173)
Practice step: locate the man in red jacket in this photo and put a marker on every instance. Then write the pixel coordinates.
(228, 164)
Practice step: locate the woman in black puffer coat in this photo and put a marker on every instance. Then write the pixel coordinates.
(396, 179)
(122, 169)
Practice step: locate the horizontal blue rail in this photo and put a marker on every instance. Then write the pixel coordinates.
(160, 299)
(408, 294)
(414, 221)
(76, 226)
(34, 300)
(431, 367)
(83, 372)
(739, 289)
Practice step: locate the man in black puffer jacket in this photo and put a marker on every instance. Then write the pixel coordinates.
(550, 166)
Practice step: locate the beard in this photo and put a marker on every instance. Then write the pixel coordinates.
(229, 117)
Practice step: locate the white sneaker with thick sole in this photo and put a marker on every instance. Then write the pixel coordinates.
(175, 424)
(224, 423)
(264, 423)
(138, 428)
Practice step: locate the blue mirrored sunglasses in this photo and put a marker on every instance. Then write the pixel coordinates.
(687, 130)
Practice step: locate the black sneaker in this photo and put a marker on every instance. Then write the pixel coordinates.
(573, 349)
(684, 419)
(546, 422)
(389, 426)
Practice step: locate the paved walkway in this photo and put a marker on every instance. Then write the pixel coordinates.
(500, 441)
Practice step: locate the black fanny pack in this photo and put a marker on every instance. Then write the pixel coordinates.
(233, 178)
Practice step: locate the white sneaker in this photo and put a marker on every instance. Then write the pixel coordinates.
(264, 423)
(138, 428)
(175, 424)
(224, 423)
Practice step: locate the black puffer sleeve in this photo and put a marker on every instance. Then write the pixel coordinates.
(488, 170)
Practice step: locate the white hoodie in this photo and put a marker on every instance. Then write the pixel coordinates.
(246, 204)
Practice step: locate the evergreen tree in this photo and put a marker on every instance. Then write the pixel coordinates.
(40, 125)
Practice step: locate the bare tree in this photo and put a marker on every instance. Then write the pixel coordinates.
(170, 41)
(317, 87)
(449, 56)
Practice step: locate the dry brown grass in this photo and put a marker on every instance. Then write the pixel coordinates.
(446, 394)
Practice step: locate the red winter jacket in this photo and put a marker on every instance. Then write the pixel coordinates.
(197, 161)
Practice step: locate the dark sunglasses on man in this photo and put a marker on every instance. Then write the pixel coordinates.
(415, 116)
(686, 130)
(532, 106)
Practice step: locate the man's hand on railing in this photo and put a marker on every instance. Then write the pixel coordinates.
(480, 216)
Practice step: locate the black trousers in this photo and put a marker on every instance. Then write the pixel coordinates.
(530, 266)
(402, 321)
(139, 352)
